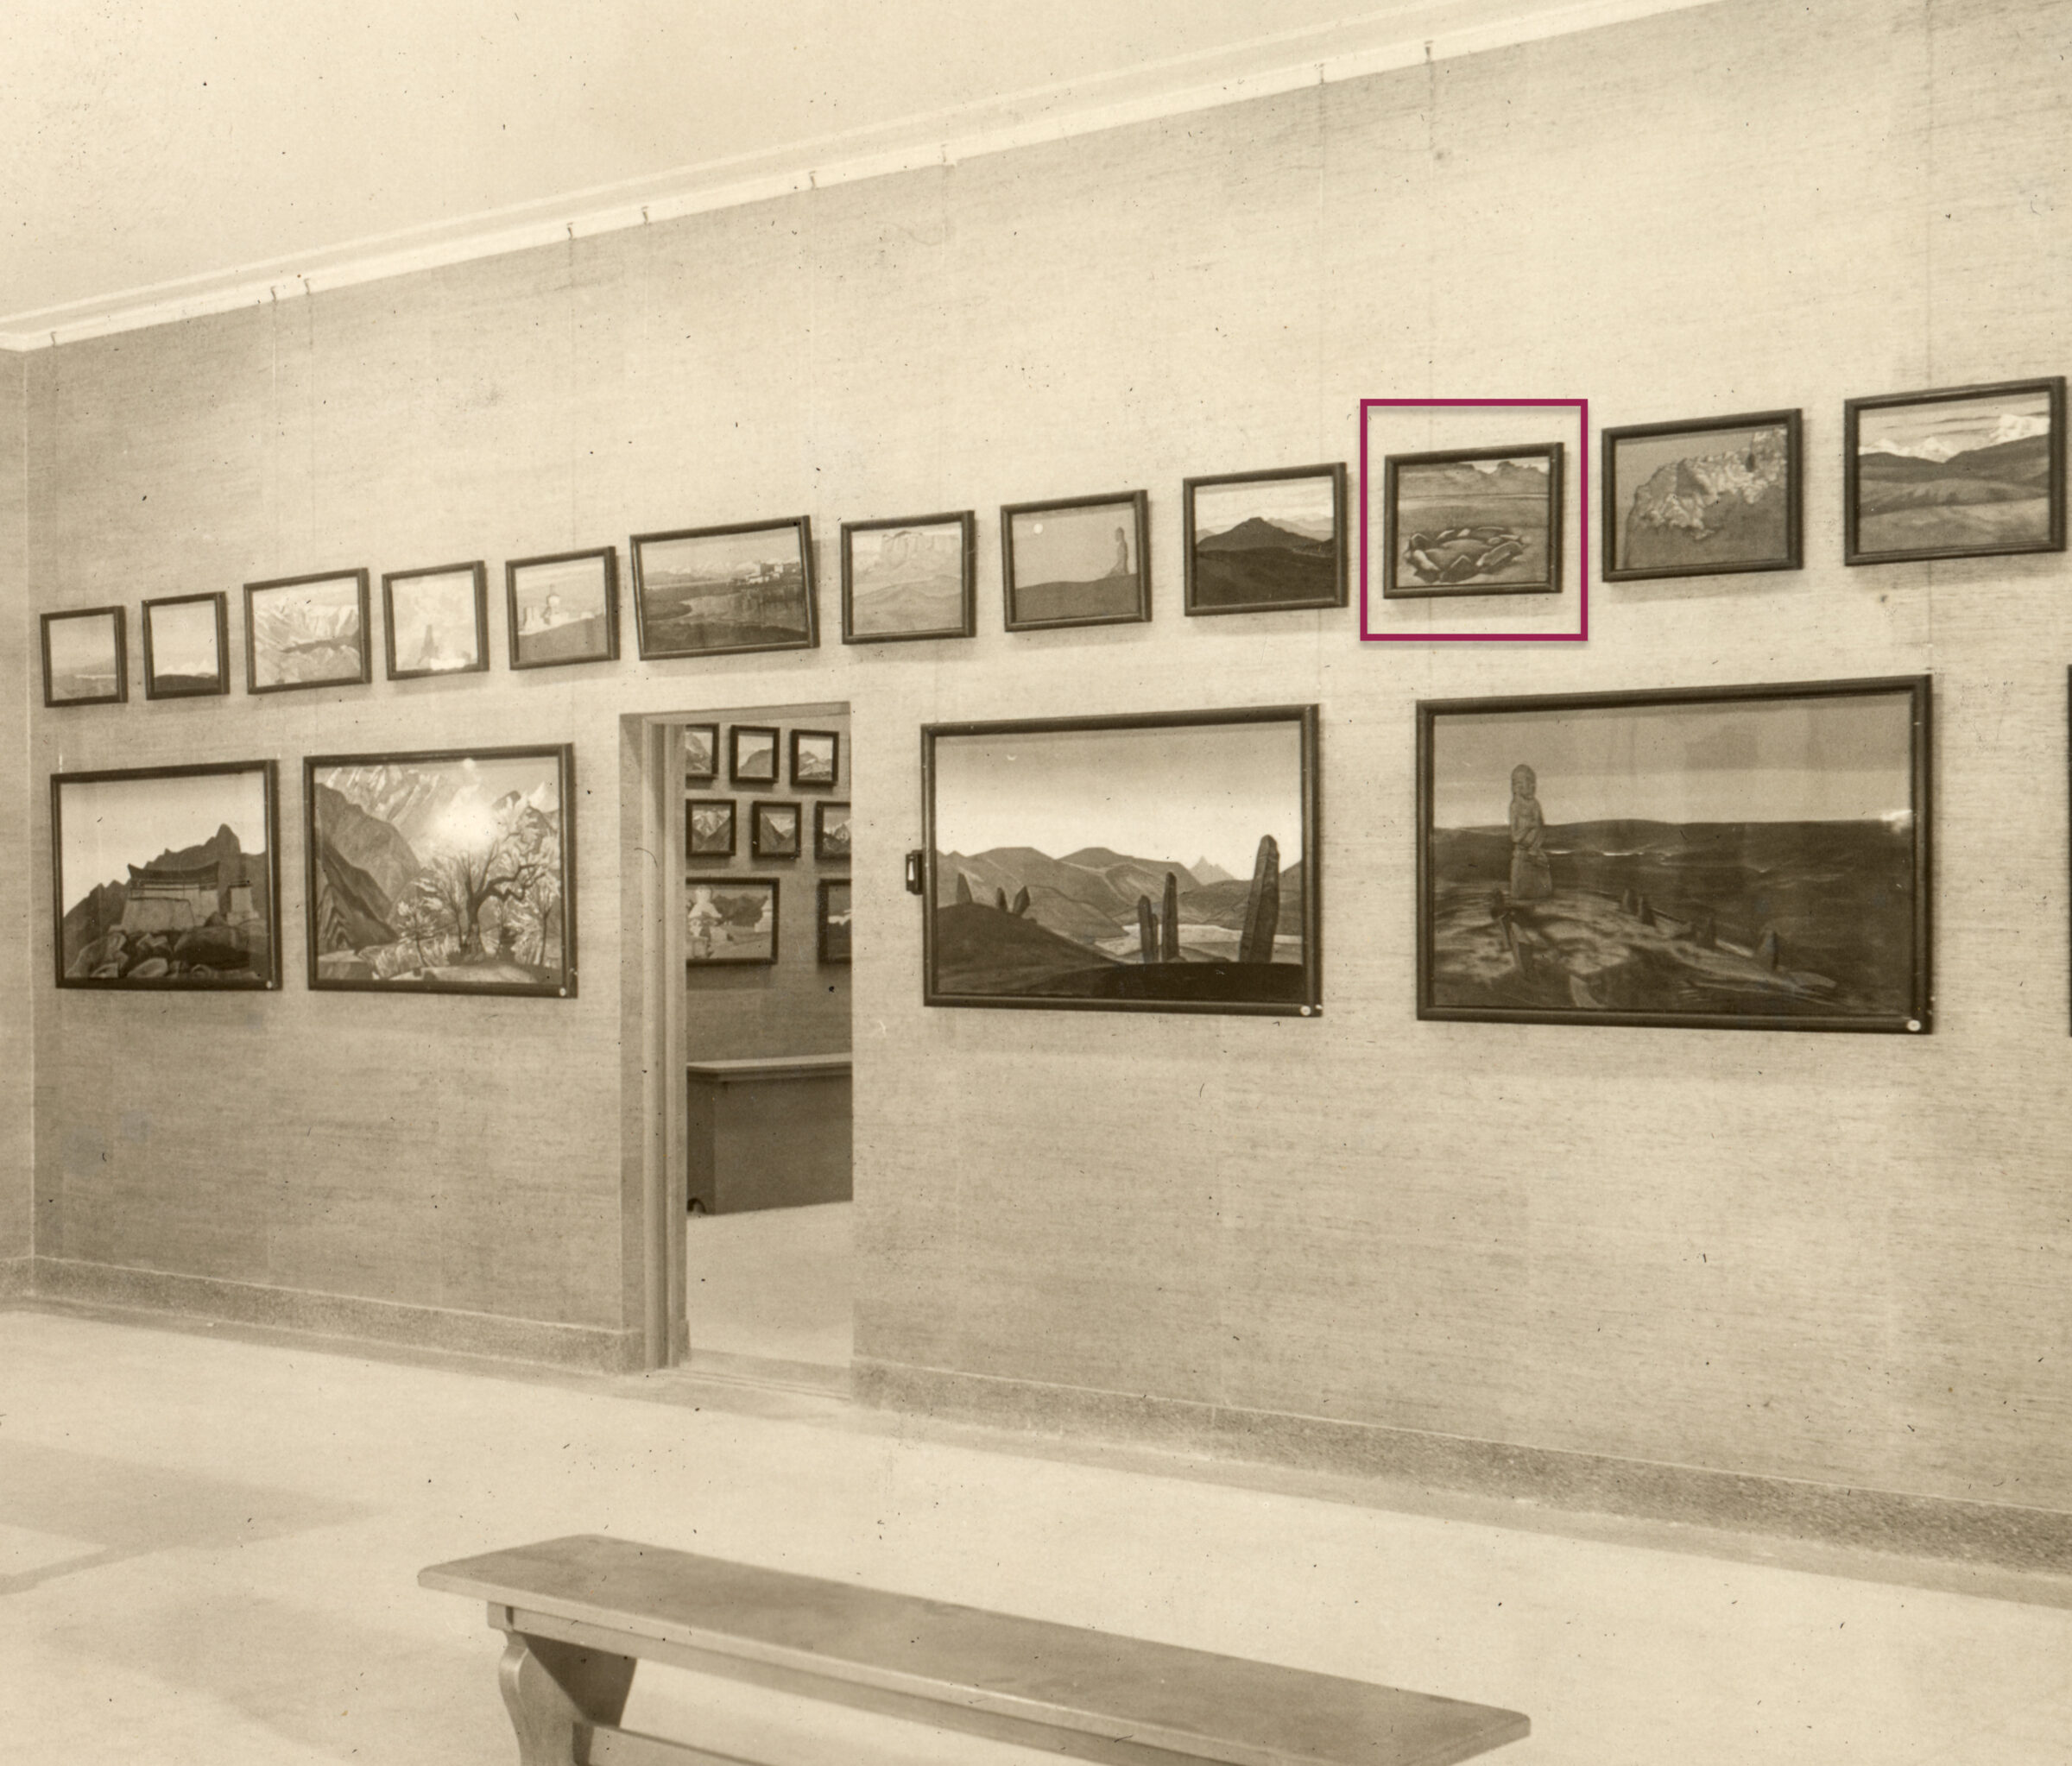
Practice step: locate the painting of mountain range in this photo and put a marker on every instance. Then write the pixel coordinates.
(1950, 475)
(1479, 521)
(1703, 498)
(306, 632)
(1266, 540)
(907, 580)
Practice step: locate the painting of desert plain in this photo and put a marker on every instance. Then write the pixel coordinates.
(1076, 565)
(1151, 866)
(440, 873)
(706, 591)
(908, 581)
(1482, 522)
(1956, 476)
(1702, 500)
(1732, 862)
(166, 880)
(308, 634)
(1265, 542)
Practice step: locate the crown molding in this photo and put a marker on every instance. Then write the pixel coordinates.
(1350, 50)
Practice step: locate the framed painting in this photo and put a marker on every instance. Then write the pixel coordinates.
(1165, 862)
(306, 632)
(85, 657)
(833, 919)
(752, 756)
(701, 753)
(167, 878)
(907, 580)
(712, 591)
(187, 646)
(1472, 521)
(450, 872)
(1077, 561)
(708, 828)
(729, 919)
(1262, 542)
(436, 621)
(1705, 498)
(563, 607)
(1965, 472)
(816, 760)
(774, 829)
(1717, 858)
(830, 832)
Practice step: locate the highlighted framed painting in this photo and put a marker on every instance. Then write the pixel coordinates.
(709, 832)
(831, 831)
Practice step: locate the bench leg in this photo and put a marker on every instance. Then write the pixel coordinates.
(552, 1689)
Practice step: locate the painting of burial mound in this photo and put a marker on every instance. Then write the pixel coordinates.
(1972, 472)
(1695, 500)
(167, 879)
(1735, 862)
(1480, 521)
(1265, 541)
(907, 580)
(442, 873)
(708, 590)
(1054, 878)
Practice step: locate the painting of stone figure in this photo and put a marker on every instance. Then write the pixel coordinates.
(1163, 863)
(906, 580)
(1082, 562)
(1259, 542)
(306, 632)
(1474, 521)
(1968, 472)
(702, 591)
(167, 878)
(1701, 499)
(448, 872)
(1725, 858)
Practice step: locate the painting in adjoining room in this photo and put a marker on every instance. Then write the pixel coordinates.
(833, 918)
(708, 828)
(907, 580)
(1733, 858)
(701, 753)
(563, 607)
(167, 878)
(774, 831)
(446, 873)
(831, 831)
(85, 657)
(1966, 472)
(816, 759)
(705, 591)
(1703, 498)
(752, 754)
(1157, 863)
(1260, 542)
(1081, 561)
(436, 621)
(187, 647)
(729, 919)
(306, 632)
(1474, 521)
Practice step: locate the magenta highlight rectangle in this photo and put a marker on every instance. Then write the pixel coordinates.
(1581, 634)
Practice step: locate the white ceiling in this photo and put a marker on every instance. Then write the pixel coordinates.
(166, 155)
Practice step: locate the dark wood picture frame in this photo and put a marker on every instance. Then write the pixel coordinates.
(1689, 937)
(1394, 588)
(966, 623)
(1920, 496)
(692, 848)
(773, 846)
(726, 881)
(478, 577)
(118, 626)
(693, 774)
(156, 687)
(364, 671)
(831, 946)
(1236, 580)
(736, 774)
(1021, 618)
(833, 739)
(825, 851)
(605, 649)
(655, 644)
(1790, 555)
(186, 887)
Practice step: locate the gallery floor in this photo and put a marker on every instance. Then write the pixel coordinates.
(772, 1285)
(208, 1544)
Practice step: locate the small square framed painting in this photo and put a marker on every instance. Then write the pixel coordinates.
(774, 829)
(729, 919)
(1259, 542)
(1472, 521)
(1077, 561)
(1707, 498)
(85, 658)
(701, 753)
(707, 591)
(708, 828)
(831, 831)
(187, 646)
(437, 621)
(306, 632)
(834, 919)
(913, 579)
(1966, 472)
(816, 759)
(752, 756)
(563, 607)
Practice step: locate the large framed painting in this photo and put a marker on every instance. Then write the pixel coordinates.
(907, 580)
(1472, 521)
(709, 591)
(1165, 862)
(1260, 542)
(1716, 858)
(187, 647)
(1077, 561)
(730, 920)
(85, 657)
(1704, 498)
(562, 607)
(834, 920)
(436, 621)
(451, 871)
(167, 878)
(1965, 472)
(306, 632)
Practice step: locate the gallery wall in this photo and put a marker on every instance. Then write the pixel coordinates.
(1566, 1257)
(21, 892)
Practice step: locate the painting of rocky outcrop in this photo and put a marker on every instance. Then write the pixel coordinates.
(1736, 858)
(1474, 521)
(1162, 863)
(1966, 473)
(1266, 540)
(1702, 499)
(306, 632)
(167, 879)
(707, 590)
(909, 579)
(1081, 562)
(442, 873)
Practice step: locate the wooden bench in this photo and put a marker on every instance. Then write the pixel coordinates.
(580, 1612)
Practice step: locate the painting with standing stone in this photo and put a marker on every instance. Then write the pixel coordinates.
(1702, 499)
(1736, 858)
(1160, 863)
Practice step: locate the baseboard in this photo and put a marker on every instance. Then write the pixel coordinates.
(15, 1277)
(2002, 1534)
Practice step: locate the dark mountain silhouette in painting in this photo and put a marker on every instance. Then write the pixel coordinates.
(1260, 562)
(1999, 494)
